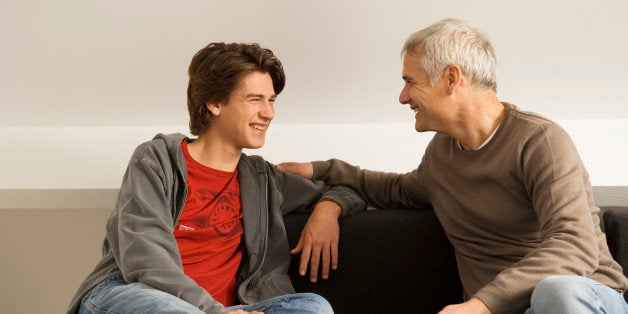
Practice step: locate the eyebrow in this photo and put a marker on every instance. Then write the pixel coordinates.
(259, 96)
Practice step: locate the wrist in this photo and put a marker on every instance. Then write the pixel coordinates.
(479, 305)
(329, 206)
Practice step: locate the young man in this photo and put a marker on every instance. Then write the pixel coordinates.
(198, 225)
(507, 185)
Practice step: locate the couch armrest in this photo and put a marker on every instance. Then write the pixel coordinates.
(390, 260)
(615, 224)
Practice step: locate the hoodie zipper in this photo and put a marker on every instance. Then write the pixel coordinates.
(263, 231)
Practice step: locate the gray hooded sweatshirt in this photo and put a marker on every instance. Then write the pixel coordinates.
(139, 239)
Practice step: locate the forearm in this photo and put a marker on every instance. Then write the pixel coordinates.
(379, 189)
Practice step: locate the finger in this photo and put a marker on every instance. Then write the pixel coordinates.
(297, 248)
(325, 262)
(305, 259)
(314, 263)
(285, 165)
(334, 255)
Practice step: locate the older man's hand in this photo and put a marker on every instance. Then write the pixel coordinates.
(303, 169)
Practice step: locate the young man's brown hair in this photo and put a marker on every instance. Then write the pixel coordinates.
(216, 70)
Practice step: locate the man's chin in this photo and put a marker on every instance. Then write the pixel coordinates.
(255, 145)
(420, 129)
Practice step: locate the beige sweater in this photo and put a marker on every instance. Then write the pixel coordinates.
(516, 211)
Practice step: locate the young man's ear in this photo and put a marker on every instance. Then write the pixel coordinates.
(214, 108)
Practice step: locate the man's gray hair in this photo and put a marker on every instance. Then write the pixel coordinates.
(453, 41)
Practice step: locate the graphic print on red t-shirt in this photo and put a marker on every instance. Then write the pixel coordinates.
(223, 217)
(209, 231)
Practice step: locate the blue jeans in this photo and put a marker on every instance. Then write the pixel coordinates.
(114, 295)
(309, 303)
(575, 294)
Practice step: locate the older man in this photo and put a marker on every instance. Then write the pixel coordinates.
(507, 185)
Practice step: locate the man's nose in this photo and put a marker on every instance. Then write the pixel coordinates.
(403, 96)
(268, 111)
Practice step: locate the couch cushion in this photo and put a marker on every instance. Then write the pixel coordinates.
(399, 257)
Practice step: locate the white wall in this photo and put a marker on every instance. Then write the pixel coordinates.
(95, 158)
(123, 63)
(82, 82)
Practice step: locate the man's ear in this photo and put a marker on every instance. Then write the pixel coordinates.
(213, 107)
(454, 77)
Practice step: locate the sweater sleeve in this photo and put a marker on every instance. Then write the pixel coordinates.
(556, 181)
(379, 189)
(141, 237)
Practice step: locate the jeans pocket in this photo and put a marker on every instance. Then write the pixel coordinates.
(98, 287)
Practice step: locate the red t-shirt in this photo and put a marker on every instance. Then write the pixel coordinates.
(209, 231)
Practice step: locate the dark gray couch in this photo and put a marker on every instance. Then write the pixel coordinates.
(399, 260)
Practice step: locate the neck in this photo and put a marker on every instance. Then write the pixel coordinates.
(211, 151)
(479, 118)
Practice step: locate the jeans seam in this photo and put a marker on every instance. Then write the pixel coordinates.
(89, 303)
(153, 304)
(104, 282)
(88, 298)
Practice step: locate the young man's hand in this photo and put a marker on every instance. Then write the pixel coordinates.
(303, 169)
(319, 240)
